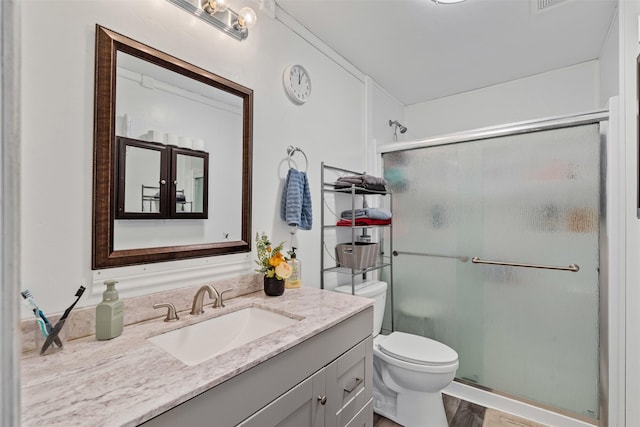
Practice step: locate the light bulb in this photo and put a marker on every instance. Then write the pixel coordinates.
(214, 6)
(247, 17)
(222, 5)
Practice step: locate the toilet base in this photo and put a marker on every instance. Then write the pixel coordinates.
(416, 410)
(406, 407)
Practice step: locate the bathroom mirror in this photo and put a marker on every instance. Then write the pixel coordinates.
(179, 124)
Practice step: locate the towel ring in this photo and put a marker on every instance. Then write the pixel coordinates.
(291, 150)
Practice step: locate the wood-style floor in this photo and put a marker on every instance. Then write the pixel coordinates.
(380, 421)
(461, 413)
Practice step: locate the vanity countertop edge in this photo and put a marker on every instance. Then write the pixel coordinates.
(128, 380)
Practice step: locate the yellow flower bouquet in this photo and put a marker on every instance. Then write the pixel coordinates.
(270, 259)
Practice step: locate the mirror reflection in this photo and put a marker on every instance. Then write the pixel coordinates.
(159, 106)
(161, 182)
(141, 180)
(169, 138)
(189, 183)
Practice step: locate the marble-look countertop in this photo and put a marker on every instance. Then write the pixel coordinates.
(129, 380)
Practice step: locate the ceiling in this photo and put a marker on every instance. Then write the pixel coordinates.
(418, 50)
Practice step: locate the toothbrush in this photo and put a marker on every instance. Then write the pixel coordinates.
(41, 319)
(79, 293)
(43, 327)
(53, 335)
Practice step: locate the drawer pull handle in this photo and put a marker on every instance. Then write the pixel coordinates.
(353, 385)
(322, 399)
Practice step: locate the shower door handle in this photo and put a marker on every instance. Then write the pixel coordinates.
(462, 258)
(573, 267)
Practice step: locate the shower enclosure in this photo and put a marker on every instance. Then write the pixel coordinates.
(497, 240)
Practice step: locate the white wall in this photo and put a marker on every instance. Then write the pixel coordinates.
(564, 91)
(57, 137)
(382, 108)
(609, 64)
(629, 50)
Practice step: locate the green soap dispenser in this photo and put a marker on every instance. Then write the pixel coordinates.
(109, 313)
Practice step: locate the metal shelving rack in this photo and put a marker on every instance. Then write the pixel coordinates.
(383, 261)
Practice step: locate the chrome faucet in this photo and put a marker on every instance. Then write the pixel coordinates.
(196, 307)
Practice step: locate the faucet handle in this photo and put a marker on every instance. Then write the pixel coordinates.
(220, 302)
(172, 316)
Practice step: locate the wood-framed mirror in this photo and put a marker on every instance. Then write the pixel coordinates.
(146, 95)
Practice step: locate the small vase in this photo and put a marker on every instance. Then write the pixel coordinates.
(273, 287)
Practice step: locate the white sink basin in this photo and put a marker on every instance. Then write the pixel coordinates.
(196, 343)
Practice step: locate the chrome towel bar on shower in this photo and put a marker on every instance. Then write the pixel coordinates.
(461, 258)
(573, 267)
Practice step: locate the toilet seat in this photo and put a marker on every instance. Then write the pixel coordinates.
(415, 353)
(416, 349)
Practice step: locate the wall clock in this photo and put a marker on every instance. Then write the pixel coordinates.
(297, 83)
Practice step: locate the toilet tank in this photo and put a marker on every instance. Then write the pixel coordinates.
(376, 290)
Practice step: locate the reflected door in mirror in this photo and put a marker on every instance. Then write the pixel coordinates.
(141, 166)
(191, 180)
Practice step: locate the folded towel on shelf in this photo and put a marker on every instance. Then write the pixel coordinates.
(367, 182)
(358, 213)
(371, 213)
(295, 205)
(363, 221)
(362, 190)
(362, 179)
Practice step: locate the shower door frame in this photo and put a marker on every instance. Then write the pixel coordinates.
(600, 117)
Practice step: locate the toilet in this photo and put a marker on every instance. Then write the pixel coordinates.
(410, 371)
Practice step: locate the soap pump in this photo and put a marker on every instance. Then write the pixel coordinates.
(109, 313)
(295, 280)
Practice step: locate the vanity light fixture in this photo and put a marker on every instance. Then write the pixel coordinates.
(447, 1)
(218, 14)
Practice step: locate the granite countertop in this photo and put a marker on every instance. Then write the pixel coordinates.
(129, 380)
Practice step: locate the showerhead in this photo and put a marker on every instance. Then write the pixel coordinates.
(398, 126)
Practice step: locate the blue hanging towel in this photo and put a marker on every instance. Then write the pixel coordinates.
(295, 207)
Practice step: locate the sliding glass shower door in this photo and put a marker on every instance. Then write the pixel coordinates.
(531, 199)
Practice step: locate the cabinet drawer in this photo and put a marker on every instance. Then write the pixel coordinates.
(349, 383)
(364, 418)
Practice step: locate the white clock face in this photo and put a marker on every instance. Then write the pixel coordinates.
(297, 83)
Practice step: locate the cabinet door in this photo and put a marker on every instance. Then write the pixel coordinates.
(349, 383)
(141, 184)
(299, 407)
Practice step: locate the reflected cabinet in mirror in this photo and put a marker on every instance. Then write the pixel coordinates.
(172, 158)
(156, 181)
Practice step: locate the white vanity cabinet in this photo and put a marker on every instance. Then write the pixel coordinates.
(331, 397)
(325, 380)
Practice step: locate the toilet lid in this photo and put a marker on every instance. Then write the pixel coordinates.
(417, 349)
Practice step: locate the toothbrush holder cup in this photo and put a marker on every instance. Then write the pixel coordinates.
(55, 347)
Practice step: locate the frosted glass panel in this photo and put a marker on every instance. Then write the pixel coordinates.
(534, 199)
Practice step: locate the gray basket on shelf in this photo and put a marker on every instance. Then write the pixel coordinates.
(359, 257)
